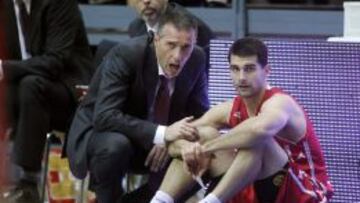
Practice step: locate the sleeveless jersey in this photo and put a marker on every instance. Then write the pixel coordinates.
(306, 180)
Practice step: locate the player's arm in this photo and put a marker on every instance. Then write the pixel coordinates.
(216, 117)
(273, 116)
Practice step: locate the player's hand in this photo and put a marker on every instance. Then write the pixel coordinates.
(195, 160)
(157, 158)
(182, 129)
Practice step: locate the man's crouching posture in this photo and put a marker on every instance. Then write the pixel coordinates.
(270, 153)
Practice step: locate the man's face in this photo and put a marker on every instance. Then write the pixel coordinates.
(248, 76)
(173, 48)
(149, 10)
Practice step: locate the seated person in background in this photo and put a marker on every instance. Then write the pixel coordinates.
(140, 90)
(46, 55)
(271, 143)
(150, 12)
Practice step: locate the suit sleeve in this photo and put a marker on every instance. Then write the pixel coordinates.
(59, 21)
(199, 97)
(198, 102)
(111, 100)
(136, 28)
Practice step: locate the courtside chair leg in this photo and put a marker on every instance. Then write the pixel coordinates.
(45, 166)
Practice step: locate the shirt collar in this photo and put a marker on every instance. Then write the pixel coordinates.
(161, 71)
(154, 28)
(26, 2)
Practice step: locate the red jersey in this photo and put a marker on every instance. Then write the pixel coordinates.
(306, 180)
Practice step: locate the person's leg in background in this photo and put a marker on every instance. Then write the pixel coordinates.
(40, 104)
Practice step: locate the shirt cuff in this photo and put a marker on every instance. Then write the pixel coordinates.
(160, 135)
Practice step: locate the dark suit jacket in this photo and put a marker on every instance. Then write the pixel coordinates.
(58, 43)
(122, 92)
(137, 27)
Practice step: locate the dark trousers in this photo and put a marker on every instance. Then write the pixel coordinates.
(36, 105)
(111, 155)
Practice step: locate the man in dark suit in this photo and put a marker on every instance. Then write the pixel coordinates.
(47, 55)
(150, 12)
(143, 95)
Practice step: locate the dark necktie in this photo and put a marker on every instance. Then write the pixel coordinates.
(25, 22)
(162, 102)
(150, 35)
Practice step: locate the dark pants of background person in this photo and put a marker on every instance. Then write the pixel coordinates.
(36, 105)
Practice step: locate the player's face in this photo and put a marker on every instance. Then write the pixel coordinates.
(149, 10)
(173, 48)
(248, 76)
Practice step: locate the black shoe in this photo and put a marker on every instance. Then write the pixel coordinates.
(23, 192)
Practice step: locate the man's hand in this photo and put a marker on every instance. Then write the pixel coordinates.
(195, 160)
(182, 129)
(157, 158)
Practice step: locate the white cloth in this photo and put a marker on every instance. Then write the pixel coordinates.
(162, 197)
(210, 198)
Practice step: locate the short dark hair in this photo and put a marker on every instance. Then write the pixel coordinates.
(250, 47)
(182, 20)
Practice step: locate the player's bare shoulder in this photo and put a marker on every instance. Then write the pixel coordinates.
(222, 111)
(227, 108)
(295, 128)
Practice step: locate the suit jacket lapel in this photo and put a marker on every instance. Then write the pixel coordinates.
(142, 30)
